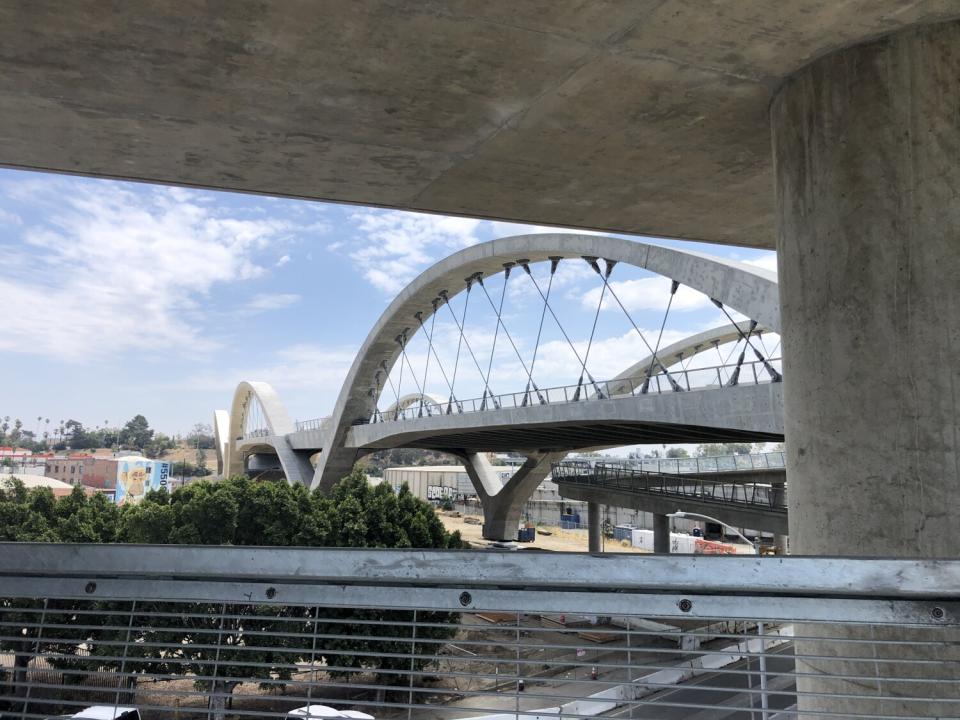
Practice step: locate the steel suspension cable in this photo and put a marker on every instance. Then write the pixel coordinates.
(554, 315)
(593, 330)
(396, 390)
(774, 375)
(402, 341)
(496, 331)
(653, 360)
(554, 262)
(592, 261)
(463, 336)
(419, 316)
(507, 269)
(426, 367)
(456, 362)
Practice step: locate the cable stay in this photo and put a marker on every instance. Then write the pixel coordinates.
(436, 302)
(592, 261)
(507, 267)
(772, 371)
(526, 267)
(593, 330)
(470, 281)
(426, 366)
(401, 340)
(396, 390)
(554, 263)
(654, 360)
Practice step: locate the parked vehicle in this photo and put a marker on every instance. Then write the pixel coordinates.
(323, 712)
(102, 712)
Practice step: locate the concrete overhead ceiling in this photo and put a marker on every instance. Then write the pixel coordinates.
(646, 117)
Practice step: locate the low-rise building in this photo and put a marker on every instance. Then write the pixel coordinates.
(57, 487)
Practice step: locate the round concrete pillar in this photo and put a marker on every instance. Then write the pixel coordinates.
(594, 528)
(866, 146)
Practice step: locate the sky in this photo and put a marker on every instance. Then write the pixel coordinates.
(125, 298)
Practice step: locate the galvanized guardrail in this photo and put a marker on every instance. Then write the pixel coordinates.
(182, 631)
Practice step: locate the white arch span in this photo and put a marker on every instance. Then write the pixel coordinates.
(746, 289)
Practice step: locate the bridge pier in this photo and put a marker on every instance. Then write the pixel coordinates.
(594, 528)
(661, 533)
(503, 502)
(867, 158)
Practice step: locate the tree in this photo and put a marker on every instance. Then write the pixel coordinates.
(712, 449)
(201, 437)
(677, 452)
(158, 445)
(236, 511)
(136, 433)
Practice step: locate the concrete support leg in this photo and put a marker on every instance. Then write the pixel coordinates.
(867, 158)
(503, 502)
(594, 527)
(661, 533)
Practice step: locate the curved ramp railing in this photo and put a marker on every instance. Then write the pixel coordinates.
(625, 478)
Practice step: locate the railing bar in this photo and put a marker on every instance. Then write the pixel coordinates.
(641, 702)
(641, 681)
(563, 667)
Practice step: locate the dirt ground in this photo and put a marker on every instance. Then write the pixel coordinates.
(558, 541)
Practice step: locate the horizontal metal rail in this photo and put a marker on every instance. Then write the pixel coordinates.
(624, 478)
(682, 381)
(217, 632)
(707, 464)
(312, 424)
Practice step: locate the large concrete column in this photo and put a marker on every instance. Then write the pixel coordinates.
(867, 158)
(661, 533)
(594, 540)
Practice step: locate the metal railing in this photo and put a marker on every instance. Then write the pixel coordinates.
(255, 433)
(753, 373)
(312, 424)
(257, 632)
(629, 479)
(709, 464)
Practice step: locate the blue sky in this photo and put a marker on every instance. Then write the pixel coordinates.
(124, 298)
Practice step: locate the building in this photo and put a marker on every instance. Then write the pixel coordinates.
(57, 487)
(23, 461)
(431, 482)
(125, 478)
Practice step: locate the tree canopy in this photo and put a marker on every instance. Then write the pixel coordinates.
(236, 511)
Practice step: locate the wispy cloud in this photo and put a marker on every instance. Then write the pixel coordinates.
(392, 247)
(283, 260)
(272, 301)
(113, 269)
(649, 293)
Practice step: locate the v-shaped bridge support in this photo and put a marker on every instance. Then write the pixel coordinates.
(503, 502)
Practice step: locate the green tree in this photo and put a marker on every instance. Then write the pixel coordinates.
(677, 452)
(236, 511)
(136, 433)
(714, 449)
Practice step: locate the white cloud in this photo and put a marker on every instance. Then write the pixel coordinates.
(9, 218)
(308, 377)
(392, 247)
(283, 260)
(649, 293)
(113, 270)
(272, 301)
(767, 262)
